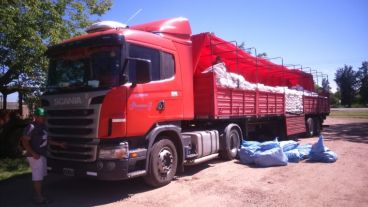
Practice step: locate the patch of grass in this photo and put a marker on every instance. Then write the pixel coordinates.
(358, 106)
(349, 114)
(10, 167)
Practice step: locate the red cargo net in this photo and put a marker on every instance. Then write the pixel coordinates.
(207, 48)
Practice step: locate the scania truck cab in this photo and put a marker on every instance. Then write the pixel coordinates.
(135, 101)
(114, 93)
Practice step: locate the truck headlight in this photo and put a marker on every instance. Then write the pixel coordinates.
(116, 152)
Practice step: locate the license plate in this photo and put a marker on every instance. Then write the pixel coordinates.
(68, 171)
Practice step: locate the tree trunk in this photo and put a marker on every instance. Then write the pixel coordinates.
(20, 102)
(4, 100)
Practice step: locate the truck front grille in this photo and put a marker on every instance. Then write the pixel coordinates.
(70, 113)
(78, 129)
(70, 131)
(79, 122)
(70, 122)
(77, 149)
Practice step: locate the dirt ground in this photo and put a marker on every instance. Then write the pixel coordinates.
(218, 183)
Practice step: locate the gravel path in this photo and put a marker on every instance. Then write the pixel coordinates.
(217, 183)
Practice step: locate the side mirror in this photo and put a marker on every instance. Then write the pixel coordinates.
(142, 70)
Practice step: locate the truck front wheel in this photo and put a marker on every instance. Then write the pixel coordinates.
(162, 164)
(232, 144)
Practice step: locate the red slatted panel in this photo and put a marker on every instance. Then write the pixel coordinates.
(216, 102)
(323, 104)
(237, 102)
(223, 97)
(318, 104)
(280, 103)
(310, 104)
(270, 103)
(295, 124)
(249, 102)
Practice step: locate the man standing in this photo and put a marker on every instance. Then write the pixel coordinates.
(34, 141)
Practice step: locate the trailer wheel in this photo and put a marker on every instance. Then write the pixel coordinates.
(232, 144)
(317, 127)
(310, 127)
(162, 164)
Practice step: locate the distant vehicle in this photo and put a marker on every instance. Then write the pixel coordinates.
(147, 100)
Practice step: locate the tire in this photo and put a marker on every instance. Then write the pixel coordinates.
(232, 144)
(310, 127)
(163, 163)
(317, 127)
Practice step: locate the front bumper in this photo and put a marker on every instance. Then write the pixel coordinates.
(100, 169)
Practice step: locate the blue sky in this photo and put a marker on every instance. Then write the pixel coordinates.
(322, 34)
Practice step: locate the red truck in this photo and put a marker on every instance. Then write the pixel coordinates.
(146, 100)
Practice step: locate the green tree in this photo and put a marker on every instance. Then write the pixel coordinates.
(28, 27)
(335, 99)
(346, 80)
(363, 82)
(326, 85)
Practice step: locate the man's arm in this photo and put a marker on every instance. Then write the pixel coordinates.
(53, 142)
(27, 146)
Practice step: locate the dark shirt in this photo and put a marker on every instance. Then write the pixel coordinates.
(38, 134)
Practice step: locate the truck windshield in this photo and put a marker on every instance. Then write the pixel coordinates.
(98, 68)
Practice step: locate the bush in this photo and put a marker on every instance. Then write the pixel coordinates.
(12, 167)
(10, 137)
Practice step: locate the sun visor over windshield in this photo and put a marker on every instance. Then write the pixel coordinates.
(103, 40)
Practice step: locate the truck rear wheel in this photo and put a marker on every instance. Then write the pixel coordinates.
(310, 127)
(162, 164)
(317, 127)
(232, 144)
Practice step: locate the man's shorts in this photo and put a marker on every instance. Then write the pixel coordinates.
(39, 168)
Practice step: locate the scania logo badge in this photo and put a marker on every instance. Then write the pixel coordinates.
(67, 101)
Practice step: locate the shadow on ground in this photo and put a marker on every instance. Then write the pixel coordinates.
(352, 132)
(192, 170)
(68, 191)
(71, 191)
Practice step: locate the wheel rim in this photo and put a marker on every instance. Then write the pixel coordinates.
(234, 143)
(310, 127)
(165, 161)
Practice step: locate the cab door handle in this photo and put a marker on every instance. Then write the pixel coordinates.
(160, 105)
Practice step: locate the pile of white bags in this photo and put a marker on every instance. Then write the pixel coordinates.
(293, 101)
(225, 79)
(309, 93)
(293, 97)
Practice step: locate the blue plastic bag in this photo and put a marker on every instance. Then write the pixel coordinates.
(271, 157)
(293, 155)
(304, 150)
(319, 146)
(328, 157)
(247, 150)
(249, 143)
(269, 145)
(246, 155)
(320, 153)
(288, 145)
